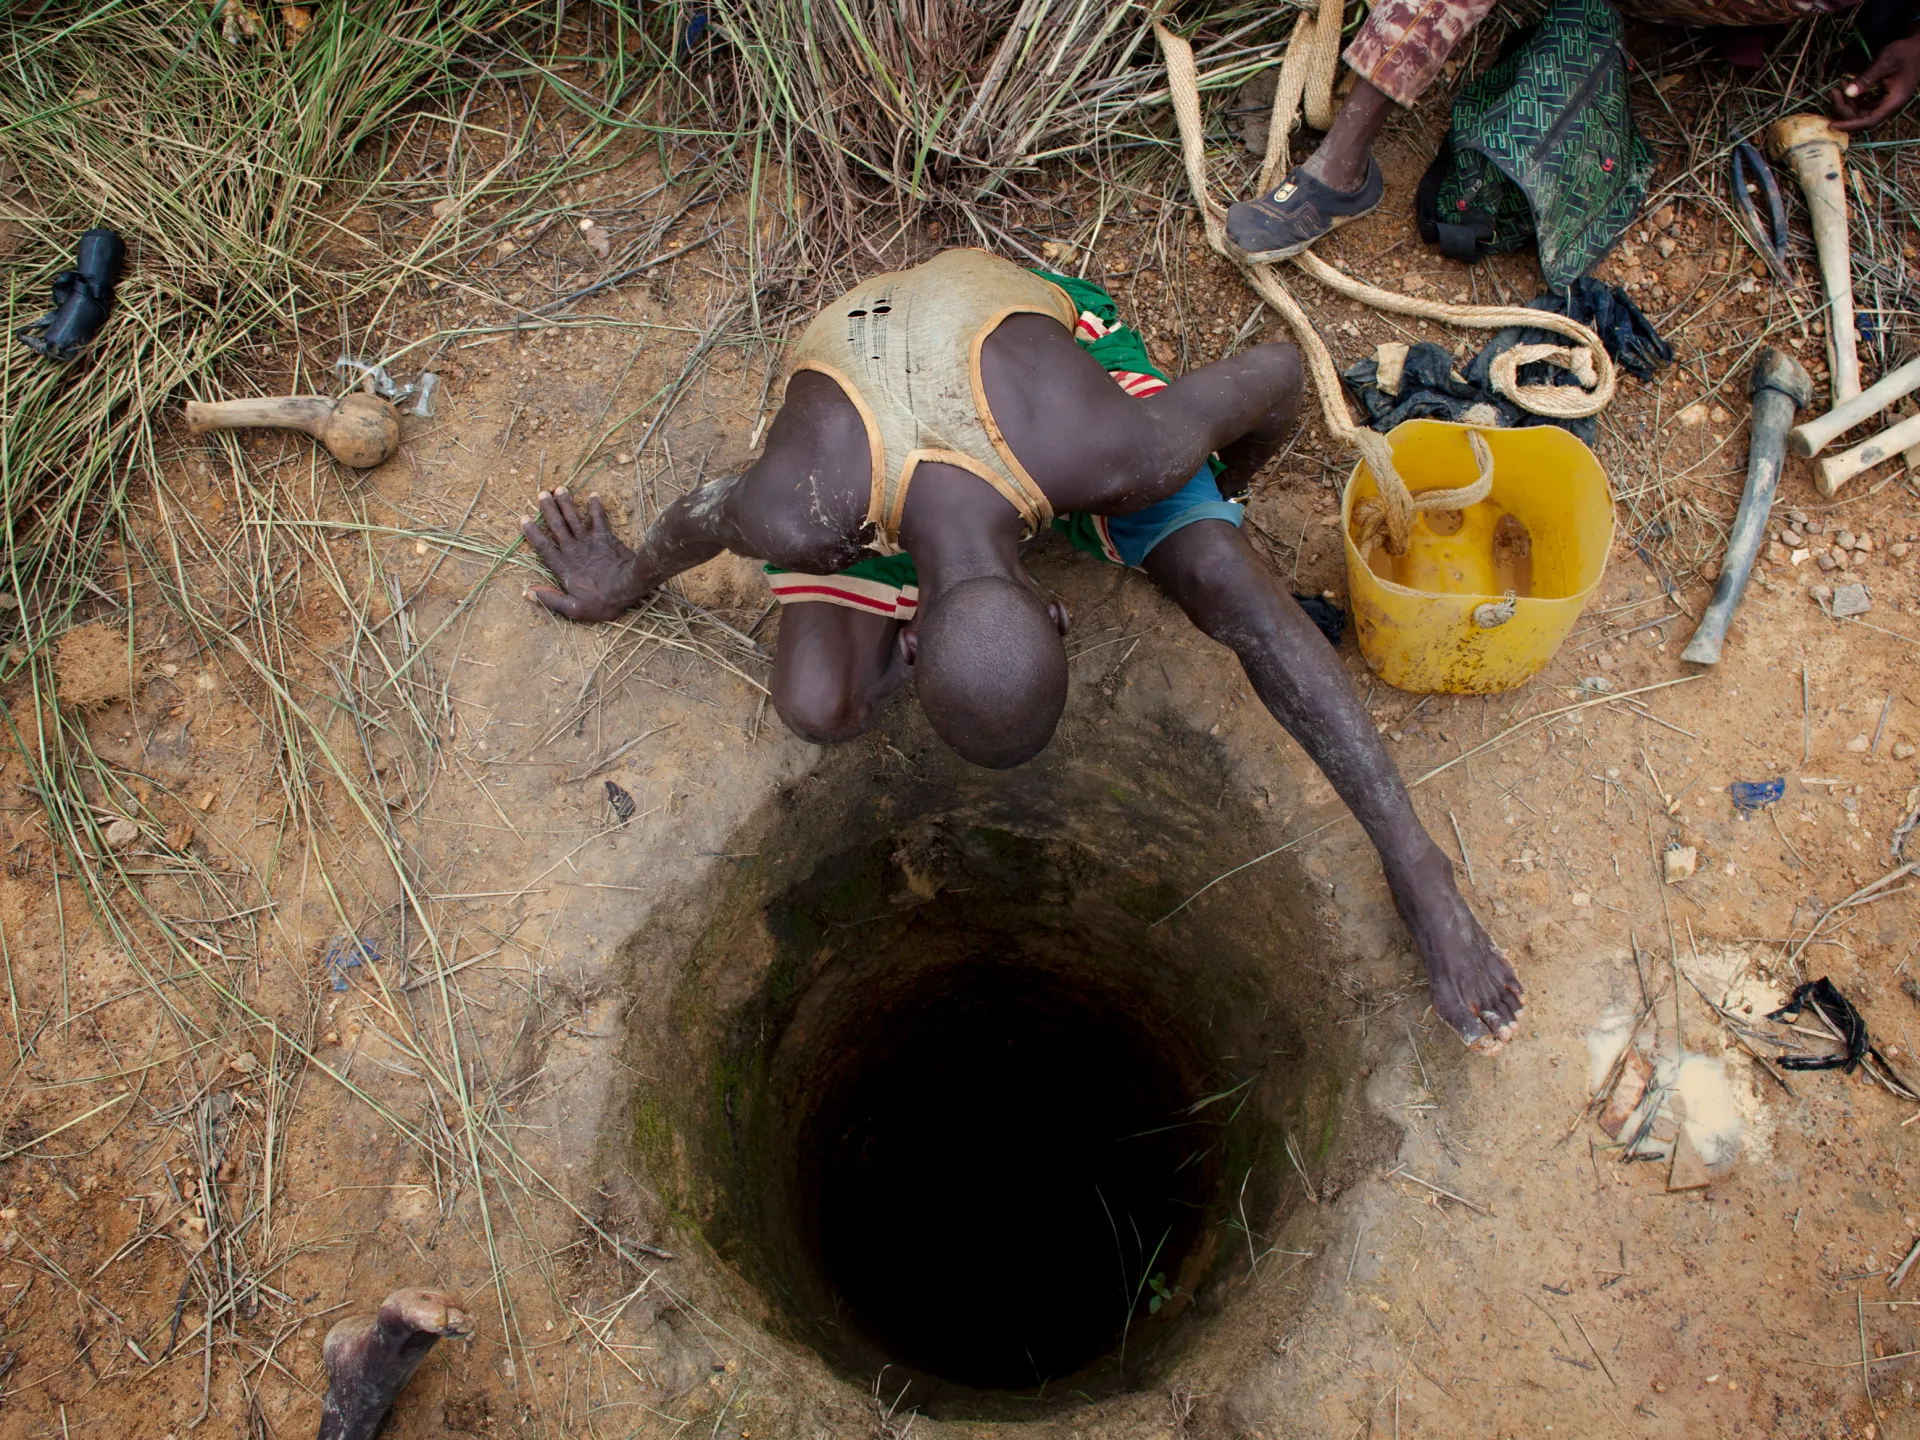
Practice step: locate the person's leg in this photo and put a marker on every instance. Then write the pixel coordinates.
(1208, 569)
(833, 669)
(1397, 54)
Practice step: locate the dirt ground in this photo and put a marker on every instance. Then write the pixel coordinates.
(1504, 1275)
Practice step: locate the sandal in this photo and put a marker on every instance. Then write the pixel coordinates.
(1300, 212)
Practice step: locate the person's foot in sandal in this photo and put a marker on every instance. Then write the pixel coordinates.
(1337, 184)
(1298, 213)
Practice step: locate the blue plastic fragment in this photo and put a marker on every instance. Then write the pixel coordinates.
(1751, 795)
(345, 953)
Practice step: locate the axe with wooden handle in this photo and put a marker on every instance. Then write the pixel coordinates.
(358, 429)
(1813, 148)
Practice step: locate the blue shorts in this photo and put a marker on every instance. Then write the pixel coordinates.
(1128, 539)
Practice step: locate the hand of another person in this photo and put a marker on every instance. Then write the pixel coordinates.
(1895, 72)
(599, 573)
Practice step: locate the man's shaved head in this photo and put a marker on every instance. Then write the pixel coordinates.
(991, 671)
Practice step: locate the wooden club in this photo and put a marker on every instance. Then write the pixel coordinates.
(1813, 148)
(358, 429)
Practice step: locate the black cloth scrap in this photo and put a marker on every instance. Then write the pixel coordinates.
(1430, 388)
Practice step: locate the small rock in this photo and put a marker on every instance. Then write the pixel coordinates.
(1680, 862)
(122, 833)
(1799, 557)
(598, 240)
(1863, 545)
(1055, 251)
(1777, 553)
(1844, 538)
(1666, 245)
(1719, 415)
(1792, 536)
(1857, 745)
(1663, 217)
(1822, 593)
(1851, 600)
(1694, 415)
(1824, 559)
(1902, 750)
(1815, 526)
(1900, 549)
(1797, 516)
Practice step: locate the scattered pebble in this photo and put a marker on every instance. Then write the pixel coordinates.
(1694, 415)
(1680, 862)
(1851, 600)
(122, 833)
(1844, 539)
(1857, 745)
(1900, 549)
(1792, 536)
(1902, 750)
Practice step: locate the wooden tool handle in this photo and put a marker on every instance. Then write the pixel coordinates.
(1814, 436)
(1813, 148)
(1834, 471)
(296, 412)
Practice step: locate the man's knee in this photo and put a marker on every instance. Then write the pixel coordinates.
(816, 708)
(1208, 569)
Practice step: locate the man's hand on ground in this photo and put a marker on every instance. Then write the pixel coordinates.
(598, 573)
(1895, 73)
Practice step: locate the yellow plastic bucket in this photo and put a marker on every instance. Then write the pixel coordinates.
(1438, 617)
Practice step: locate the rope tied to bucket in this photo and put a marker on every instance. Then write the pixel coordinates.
(1309, 79)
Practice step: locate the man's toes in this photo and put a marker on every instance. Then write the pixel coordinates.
(427, 1310)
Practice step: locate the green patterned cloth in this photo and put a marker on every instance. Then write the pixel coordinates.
(1542, 150)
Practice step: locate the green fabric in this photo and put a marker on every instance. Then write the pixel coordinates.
(1543, 148)
(884, 569)
(1121, 348)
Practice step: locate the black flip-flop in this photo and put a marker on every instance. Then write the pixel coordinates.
(1300, 212)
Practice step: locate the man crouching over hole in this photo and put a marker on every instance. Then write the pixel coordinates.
(936, 418)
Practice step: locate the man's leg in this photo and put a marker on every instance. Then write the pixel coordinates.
(1209, 571)
(833, 668)
(1397, 54)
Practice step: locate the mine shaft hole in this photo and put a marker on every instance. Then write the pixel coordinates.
(1002, 1176)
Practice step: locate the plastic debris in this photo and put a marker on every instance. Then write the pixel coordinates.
(82, 297)
(1849, 1026)
(621, 801)
(1680, 862)
(344, 953)
(1752, 795)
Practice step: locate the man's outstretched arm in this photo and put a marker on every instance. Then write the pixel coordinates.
(600, 576)
(1210, 572)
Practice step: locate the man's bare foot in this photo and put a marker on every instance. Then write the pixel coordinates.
(369, 1359)
(1474, 989)
(598, 573)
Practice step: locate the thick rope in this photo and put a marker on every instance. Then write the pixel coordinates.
(1312, 77)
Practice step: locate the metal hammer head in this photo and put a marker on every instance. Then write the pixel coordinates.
(1777, 370)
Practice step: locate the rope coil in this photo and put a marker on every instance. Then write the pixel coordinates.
(1316, 43)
